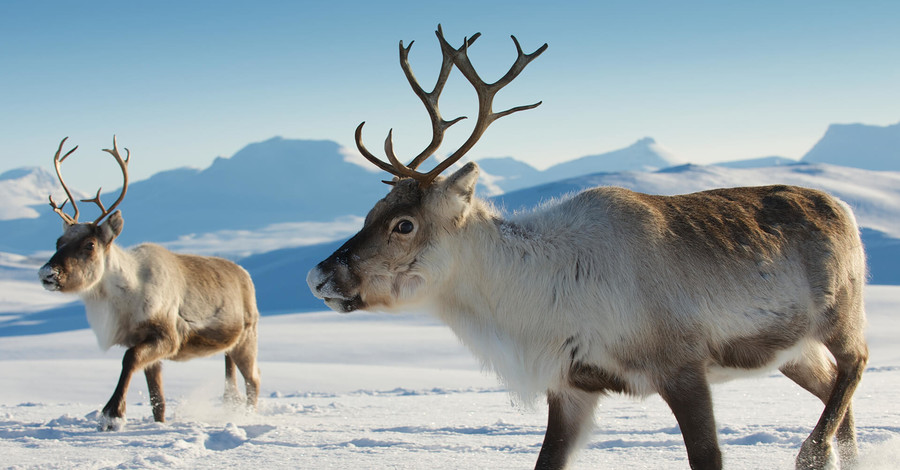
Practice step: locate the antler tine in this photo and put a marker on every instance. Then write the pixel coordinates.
(123, 165)
(485, 92)
(372, 158)
(96, 200)
(57, 160)
(402, 170)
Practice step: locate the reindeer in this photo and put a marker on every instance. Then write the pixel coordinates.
(158, 304)
(616, 291)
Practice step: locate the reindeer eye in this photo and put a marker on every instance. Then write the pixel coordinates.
(404, 227)
(89, 246)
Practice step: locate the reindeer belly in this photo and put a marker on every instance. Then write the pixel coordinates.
(767, 341)
(719, 372)
(205, 340)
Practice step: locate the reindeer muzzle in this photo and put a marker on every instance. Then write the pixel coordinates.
(49, 277)
(322, 285)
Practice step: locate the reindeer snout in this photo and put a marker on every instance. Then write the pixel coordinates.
(49, 277)
(323, 285)
(316, 280)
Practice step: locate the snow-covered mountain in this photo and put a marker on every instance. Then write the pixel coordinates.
(22, 188)
(644, 155)
(271, 182)
(858, 146)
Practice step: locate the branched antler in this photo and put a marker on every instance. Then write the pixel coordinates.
(57, 160)
(123, 165)
(486, 115)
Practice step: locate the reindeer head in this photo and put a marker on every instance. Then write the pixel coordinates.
(80, 258)
(401, 251)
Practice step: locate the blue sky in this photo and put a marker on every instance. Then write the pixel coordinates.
(181, 82)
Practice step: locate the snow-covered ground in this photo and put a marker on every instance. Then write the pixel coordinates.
(375, 391)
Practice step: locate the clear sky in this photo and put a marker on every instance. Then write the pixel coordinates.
(182, 82)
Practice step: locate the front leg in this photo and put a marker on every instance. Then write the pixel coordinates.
(113, 418)
(570, 417)
(143, 355)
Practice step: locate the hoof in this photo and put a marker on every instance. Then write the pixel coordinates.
(826, 460)
(111, 423)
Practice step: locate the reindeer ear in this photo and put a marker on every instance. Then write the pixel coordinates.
(454, 193)
(112, 227)
(462, 183)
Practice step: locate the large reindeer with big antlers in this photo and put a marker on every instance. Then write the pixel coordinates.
(616, 291)
(157, 304)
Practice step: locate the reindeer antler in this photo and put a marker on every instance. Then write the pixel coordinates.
(123, 165)
(486, 115)
(57, 160)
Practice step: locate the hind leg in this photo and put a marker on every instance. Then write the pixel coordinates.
(153, 373)
(232, 395)
(816, 373)
(244, 357)
(834, 384)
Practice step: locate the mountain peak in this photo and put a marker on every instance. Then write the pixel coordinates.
(21, 188)
(858, 145)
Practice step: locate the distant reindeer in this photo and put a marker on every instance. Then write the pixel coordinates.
(158, 304)
(617, 291)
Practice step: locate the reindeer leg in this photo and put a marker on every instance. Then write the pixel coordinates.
(570, 418)
(153, 373)
(244, 356)
(114, 412)
(837, 417)
(689, 397)
(817, 374)
(152, 350)
(816, 449)
(232, 396)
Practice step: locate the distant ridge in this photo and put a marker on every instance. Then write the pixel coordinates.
(643, 155)
(278, 180)
(858, 146)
